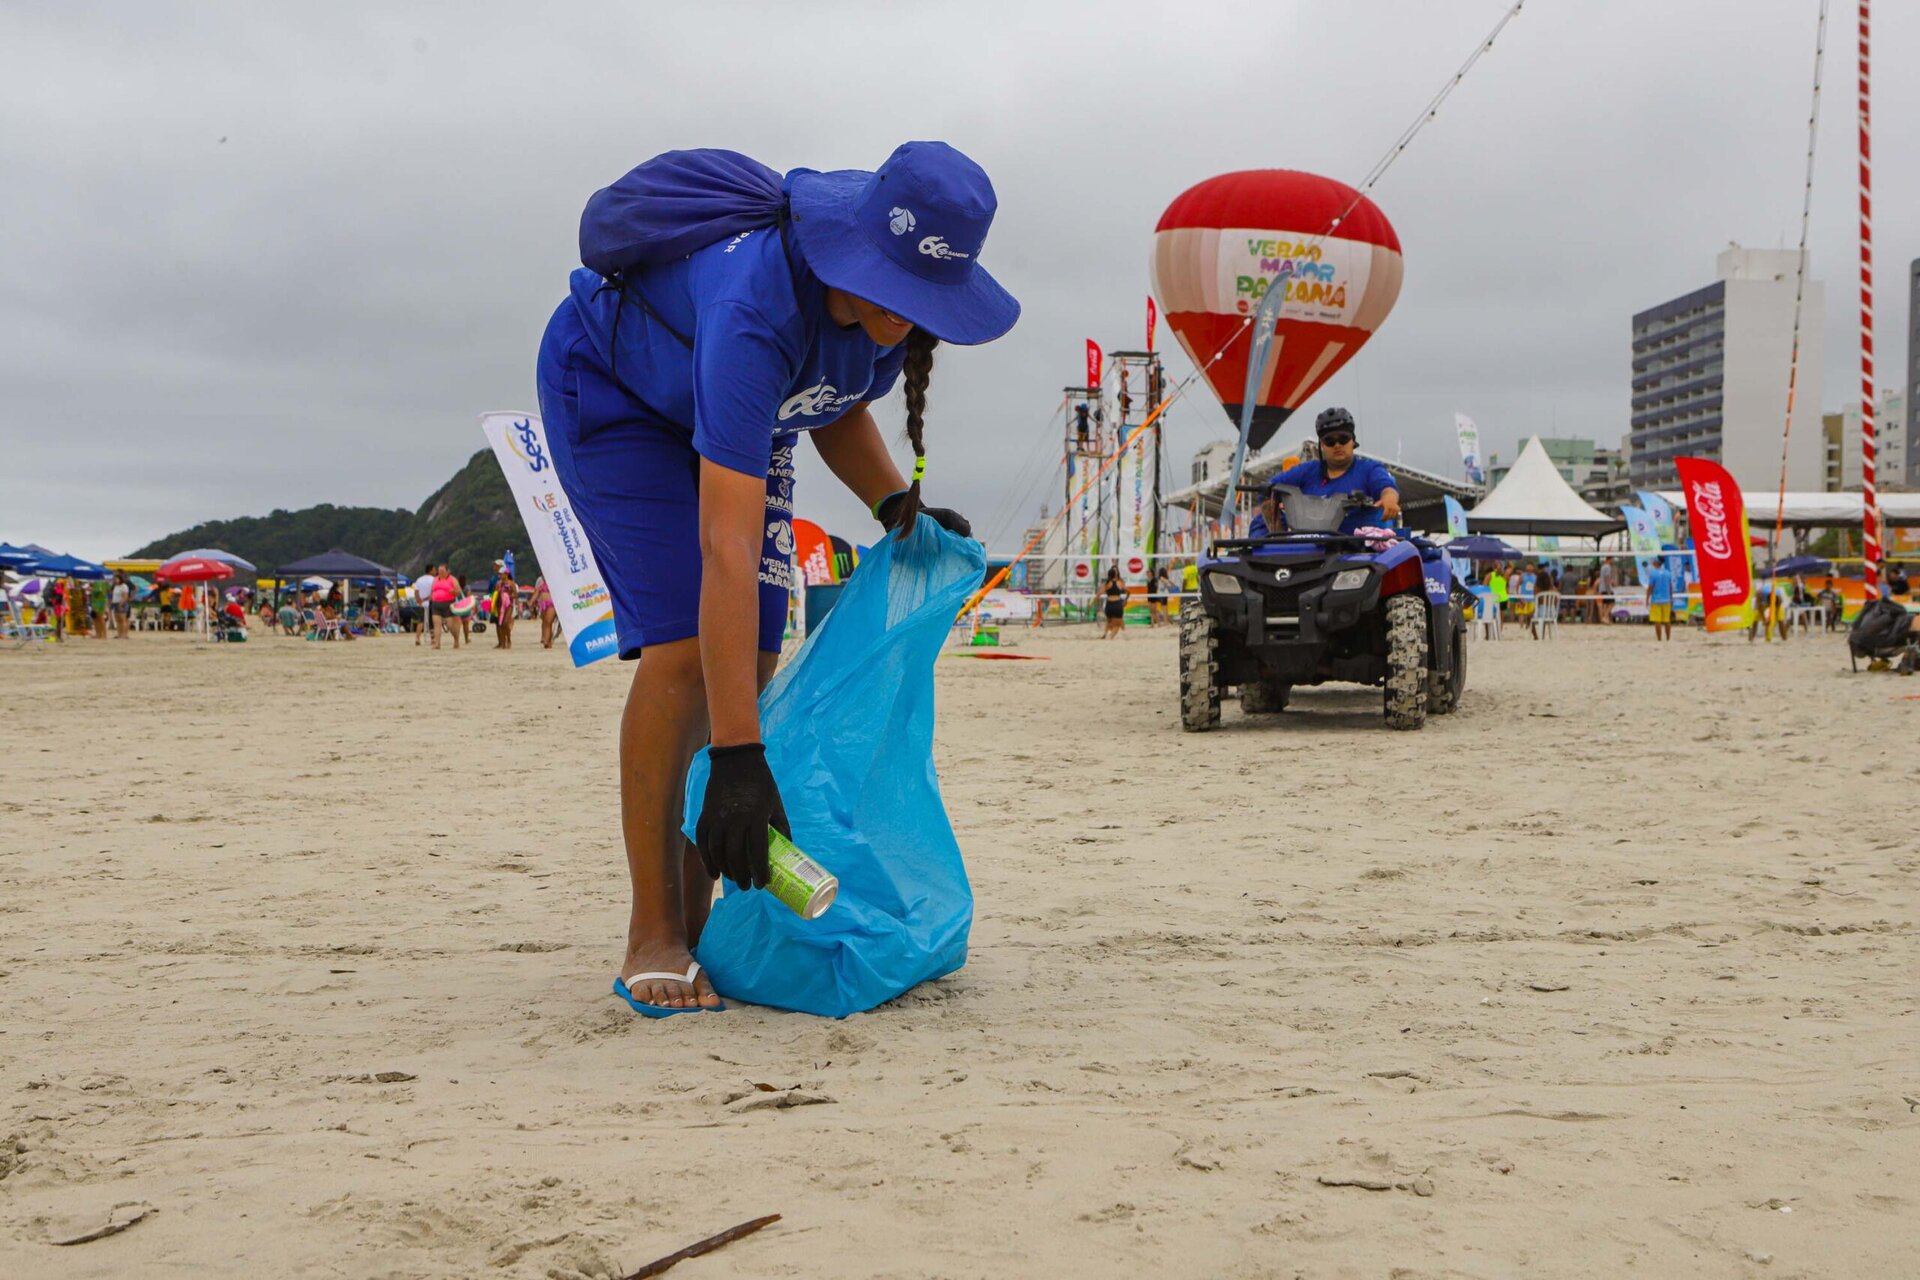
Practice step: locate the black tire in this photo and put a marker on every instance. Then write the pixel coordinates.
(1444, 690)
(1199, 671)
(1265, 696)
(1406, 694)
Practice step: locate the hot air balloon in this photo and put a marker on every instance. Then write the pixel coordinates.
(1222, 244)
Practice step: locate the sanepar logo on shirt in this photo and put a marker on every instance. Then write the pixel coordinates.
(822, 397)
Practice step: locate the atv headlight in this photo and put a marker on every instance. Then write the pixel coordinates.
(1351, 579)
(1224, 584)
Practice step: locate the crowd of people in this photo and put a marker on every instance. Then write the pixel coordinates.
(437, 604)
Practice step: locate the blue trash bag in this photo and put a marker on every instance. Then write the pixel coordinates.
(848, 726)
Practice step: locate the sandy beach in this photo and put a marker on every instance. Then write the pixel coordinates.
(307, 947)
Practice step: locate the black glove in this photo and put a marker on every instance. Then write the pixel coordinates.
(741, 803)
(888, 510)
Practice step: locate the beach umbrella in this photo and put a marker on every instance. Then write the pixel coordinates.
(193, 569)
(1483, 547)
(14, 557)
(242, 568)
(1798, 566)
(59, 566)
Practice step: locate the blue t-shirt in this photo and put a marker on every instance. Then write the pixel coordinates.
(1659, 585)
(1366, 475)
(766, 362)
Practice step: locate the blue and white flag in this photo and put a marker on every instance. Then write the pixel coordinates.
(1456, 517)
(559, 543)
(1642, 537)
(1469, 434)
(1662, 513)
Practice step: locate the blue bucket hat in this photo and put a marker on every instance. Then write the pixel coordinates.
(907, 237)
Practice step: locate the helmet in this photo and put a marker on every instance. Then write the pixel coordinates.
(1334, 420)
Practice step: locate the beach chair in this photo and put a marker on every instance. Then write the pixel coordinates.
(1486, 613)
(15, 627)
(321, 628)
(1546, 614)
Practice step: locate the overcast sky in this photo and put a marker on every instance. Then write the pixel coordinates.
(264, 255)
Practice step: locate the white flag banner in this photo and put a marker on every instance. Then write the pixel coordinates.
(1469, 448)
(559, 543)
(1136, 515)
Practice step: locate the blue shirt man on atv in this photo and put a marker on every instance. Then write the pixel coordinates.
(1335, 471)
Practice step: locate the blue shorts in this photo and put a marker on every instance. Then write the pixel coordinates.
(635, 483)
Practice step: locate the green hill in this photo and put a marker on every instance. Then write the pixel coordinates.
(467, 522)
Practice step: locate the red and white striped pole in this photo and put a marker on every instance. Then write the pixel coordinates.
(1870, 499)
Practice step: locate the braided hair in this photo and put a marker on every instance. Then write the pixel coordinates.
(914, 375)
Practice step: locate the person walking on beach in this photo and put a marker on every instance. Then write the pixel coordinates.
(673, 396)
(423, 602)
(463, 622)
(1157, 592)
(543, 609)
(506, 598)
(1114, 593)
(53, 598)
(442, 591)
(1603, 585)
(120, 602)
(1660, 600)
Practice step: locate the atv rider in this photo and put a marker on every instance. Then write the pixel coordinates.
(1336, 470)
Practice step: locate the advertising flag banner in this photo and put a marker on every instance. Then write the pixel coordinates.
(1469, 434)
(813, 552)
(559, 543)
(1093, 363)
(1642, 538)
(1153, 318)
(1717, 513)
(1456, 517)
(1656, 506)
(1135, 516)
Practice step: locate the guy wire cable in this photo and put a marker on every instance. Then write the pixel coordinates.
(1799, 287)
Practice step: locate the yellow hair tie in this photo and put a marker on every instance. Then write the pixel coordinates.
(919, 468)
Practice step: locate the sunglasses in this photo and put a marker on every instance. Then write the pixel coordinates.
(1337, 439)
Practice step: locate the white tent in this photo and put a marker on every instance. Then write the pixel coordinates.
(1818, 510)
(1535, 498)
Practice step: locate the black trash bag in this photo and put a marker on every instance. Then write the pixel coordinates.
(1881, 627)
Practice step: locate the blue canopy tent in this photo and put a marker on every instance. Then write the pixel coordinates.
(338, 564)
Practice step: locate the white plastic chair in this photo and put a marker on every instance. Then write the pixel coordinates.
(1546, 614)
(1486, 614)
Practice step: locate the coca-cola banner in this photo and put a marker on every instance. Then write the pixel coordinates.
(1093, 363)
(1718, 516)
(1152, 319)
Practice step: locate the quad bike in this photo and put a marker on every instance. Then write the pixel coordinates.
(1311, 605)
